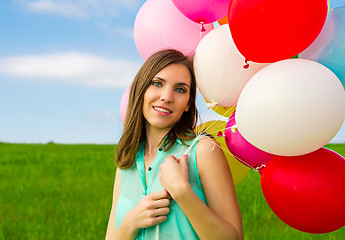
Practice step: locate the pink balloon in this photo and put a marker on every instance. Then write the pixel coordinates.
(124, 104)
(242, 149)
(159, 25)
(206, 11)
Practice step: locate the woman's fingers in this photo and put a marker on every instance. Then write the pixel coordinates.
(157, 220)
(160, 211)
(151, 210)
(159, 195)
(159, 200)
(157, 207)
(161, 203)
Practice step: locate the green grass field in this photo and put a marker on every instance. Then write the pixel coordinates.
(52, 191)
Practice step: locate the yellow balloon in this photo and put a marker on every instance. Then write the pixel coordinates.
(239, 171)
(223, 111)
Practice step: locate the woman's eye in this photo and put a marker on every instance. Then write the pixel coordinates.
(180, 90)
(156, 84)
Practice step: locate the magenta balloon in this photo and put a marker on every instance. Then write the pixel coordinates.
(159, 25)
(242, 149)
(206, 11)
(124, 104)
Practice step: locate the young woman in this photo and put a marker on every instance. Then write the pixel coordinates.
(170, 183)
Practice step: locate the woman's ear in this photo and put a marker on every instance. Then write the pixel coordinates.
(187, 108)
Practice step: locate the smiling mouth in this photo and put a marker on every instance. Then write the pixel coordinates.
(162, 110)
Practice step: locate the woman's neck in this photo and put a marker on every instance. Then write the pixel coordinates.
(154, 137)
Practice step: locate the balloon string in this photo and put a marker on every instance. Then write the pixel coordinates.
(198, 137)
(213, 103)
(157, 231)
(221, 75)
(214, 126)
(232, 83)
(243, 162)
(218, 85)
(218, 117)
(256, 167)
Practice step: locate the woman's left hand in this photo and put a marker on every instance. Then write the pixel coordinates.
(174, 175)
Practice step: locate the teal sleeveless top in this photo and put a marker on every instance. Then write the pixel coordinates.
(132, 189)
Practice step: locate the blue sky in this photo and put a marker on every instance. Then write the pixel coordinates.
(64, 65)
(63, 68)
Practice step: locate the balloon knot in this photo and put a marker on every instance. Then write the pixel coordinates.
(220, 134)
(258, 167)
(211, 105)
(202, 27)
(246, 64)
(234, 128)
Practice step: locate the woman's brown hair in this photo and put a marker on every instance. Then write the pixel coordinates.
(134, 127)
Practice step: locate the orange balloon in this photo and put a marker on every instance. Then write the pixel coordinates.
(223, 21)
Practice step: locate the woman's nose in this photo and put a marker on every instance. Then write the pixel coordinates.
(167, 96)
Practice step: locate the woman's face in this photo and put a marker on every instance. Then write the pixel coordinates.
(167, 97)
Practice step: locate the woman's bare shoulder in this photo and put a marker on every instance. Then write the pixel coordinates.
(210, 154)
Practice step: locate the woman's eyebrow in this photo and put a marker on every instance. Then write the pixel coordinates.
(183, 84)
(178, 84)
(162, 79)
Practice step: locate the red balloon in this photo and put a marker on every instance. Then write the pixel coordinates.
(270, 30)
(307, 192)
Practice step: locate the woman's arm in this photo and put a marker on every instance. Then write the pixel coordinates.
(151, 210)
(116, 193)
(221, 217)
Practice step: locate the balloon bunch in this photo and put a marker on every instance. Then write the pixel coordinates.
(286, 111)
(287, 108)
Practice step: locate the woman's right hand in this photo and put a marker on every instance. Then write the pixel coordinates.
(151, 210)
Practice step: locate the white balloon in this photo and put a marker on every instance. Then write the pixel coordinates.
(291, 107)
(219, 68)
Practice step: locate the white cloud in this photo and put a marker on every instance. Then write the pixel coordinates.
(64, 8)
(79, 8)
(75, 68)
